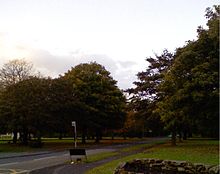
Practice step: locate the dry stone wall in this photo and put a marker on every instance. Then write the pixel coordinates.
(157, 166)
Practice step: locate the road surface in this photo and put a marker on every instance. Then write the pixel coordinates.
(55, 162)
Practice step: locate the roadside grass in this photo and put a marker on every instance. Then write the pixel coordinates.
(100, 156)
(103, 155)
(195, 151)
(6, 145)
(5, 148)
(141, 146)
(3, 142)
(60, 144)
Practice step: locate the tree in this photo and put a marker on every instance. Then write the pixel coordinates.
(15, 71)
(191, 85)
(146, 93)
(62, 105)
(25, 105)
(100, 104)
(182, 88)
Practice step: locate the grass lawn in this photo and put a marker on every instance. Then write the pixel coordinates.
(55, 143)
(49, 144)
(15, 148)
(194, 150)
(100, 156)
(140, 146)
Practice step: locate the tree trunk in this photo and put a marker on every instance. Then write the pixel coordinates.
(112, 135)
(185, 135)
(15, 137)
(190, 134)
(174, 138)
(25, 137)
(39, 136)
(180, 137)
(60, 136)
(84, 136)
(97, 140)
(124, 136)
(100, 135)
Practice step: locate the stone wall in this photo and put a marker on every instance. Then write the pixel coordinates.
(156, 166)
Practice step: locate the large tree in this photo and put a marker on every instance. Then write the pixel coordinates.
(11, 73)
(191, 86)
(14, 71)
(62, 106)
(183, 88)
(145, 95)
(100, 103)
(25, 105)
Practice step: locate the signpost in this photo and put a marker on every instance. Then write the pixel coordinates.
(76, 151)
(74, 125)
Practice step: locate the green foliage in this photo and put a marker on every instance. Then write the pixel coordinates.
(183, 88)
(37, 106)
(146, 94)
(24, 107)
(100, 103)
(61, 106)
(191, 85)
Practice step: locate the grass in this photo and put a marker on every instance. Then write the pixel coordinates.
(206, 152)
(55, 144)
(100, 156)
(4, 147)
(195, 151)
(141, 146)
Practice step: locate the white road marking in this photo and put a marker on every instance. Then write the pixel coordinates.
(13, 171)
(7, 164)
(49, 157)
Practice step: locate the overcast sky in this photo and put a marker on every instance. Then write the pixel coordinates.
(56, 35)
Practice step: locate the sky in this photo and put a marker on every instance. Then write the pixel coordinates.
(56, 35)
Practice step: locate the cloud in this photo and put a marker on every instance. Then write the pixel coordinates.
(53, 65)
(127, 64)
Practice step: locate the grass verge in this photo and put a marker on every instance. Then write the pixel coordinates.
(100, 156)
(195, 151)
(56, 144)
(15, 148)
(141, 146)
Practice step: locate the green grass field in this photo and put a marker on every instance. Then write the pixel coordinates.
(100, 156)
(195, 151)
(55, 143)
(6, 145)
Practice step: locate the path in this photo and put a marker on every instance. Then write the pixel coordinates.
(81, 168)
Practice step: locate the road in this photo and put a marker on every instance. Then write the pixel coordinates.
(38, 162)
(26, 164)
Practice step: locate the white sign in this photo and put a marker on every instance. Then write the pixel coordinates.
(74, 123)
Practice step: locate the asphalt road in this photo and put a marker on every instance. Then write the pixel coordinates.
(28, 163)
(55, 162)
